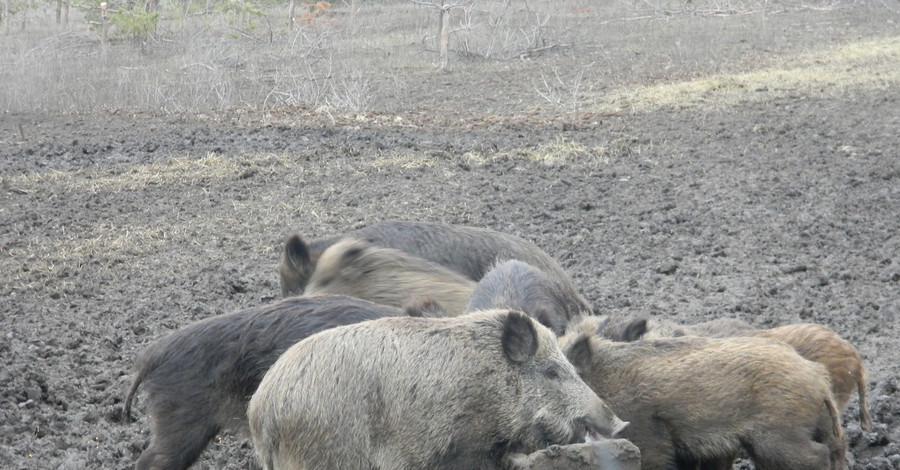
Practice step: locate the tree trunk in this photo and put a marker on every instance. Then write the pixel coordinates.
(104, 27)
(58, 12)
(440, 29)
(444, 33)
(291, 6)
(353, 16)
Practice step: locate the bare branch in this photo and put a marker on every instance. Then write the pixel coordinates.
(448, 6)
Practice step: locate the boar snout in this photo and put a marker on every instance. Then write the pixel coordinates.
(601, 423)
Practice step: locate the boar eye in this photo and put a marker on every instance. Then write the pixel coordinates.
(552, 373)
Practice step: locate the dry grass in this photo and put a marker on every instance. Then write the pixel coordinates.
(176, 171)
(563, 151)
(863, 65)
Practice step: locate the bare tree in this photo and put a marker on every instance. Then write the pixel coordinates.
(443, 28)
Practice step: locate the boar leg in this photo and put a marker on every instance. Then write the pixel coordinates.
(176, 444)
(790, 453)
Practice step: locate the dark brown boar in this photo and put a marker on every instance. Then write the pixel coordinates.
(702, 401)
(199, 379)
(387, 276)
(470, 251)
(421, 393)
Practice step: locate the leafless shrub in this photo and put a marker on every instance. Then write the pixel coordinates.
(502, 29)
(561, 92)
(350, 94)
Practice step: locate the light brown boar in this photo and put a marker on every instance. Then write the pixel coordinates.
(387, 276)
(423, 393)
(845, 366)
(814, 342)
(701, 401)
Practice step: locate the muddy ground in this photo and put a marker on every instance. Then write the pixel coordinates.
(117, 228)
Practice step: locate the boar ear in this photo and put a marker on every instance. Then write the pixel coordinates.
(355, 251)
(580, 352)
(635, 330)
(428, 308)
(519, 338)
(296, 253)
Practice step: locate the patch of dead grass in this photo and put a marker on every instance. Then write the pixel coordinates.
(863, 65)
(563, 151)
(176, 171)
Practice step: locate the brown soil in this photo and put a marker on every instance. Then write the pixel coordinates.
(119, 228)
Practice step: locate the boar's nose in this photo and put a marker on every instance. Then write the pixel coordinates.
(603, 422)
(618, 427)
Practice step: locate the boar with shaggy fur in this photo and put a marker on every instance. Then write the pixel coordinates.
(517, 285)
(470, 251)
(387, 276)
(814, 342)
(702, 401)
(422, 393)
(845, 366)
(199, 379)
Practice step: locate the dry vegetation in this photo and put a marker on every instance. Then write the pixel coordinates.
(590, 57)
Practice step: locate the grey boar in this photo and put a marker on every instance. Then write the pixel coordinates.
(702, 401)
(199, 379)
(519, 286)
(387, 276)
(470, 251)
(420, 393)
(814, 342)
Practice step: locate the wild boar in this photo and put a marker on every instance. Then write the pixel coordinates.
(814, 342)
(518, 285)
(387, 276)
(845, 366)
(199, 379)
(404, 393)
(470, 251)
(701, 401)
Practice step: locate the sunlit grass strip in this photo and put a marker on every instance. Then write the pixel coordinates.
(181, 170)
(869, 64)
(563, 151)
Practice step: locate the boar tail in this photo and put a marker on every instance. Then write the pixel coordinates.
(865, 421)
(131, 391)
